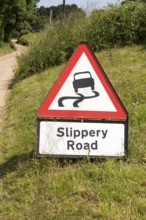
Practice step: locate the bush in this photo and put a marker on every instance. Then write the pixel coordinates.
(116, 26)
(28, 39)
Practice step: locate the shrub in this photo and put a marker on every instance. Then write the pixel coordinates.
(28, 39)
(116, 26)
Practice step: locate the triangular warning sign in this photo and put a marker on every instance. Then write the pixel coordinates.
(82, 91)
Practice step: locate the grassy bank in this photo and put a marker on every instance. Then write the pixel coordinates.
(28, 39)
(75, 189)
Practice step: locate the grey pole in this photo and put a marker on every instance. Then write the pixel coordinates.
(63, 10)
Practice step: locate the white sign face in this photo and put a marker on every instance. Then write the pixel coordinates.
(89, 95)
(65, 138)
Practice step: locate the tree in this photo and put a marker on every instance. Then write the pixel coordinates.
(13, 14)
(57, 11)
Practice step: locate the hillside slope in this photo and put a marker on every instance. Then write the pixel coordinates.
(75, 189)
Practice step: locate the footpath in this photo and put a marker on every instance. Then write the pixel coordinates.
(7, 66)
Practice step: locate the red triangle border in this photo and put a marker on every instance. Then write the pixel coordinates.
(44, 112)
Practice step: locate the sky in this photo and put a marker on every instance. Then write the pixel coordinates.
(85, 4)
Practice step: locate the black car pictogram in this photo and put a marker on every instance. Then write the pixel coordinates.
(83, 80)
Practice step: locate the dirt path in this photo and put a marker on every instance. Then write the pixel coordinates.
(7, 65)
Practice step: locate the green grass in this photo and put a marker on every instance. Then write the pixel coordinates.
(6, 48)
(28, 39)
(49, 189)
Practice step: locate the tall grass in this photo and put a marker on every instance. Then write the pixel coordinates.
(56, 44)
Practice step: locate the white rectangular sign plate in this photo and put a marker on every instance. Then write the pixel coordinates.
(78, 139)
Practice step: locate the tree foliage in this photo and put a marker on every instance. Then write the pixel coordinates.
(57, 11)
(15, 15)
(19, 17)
